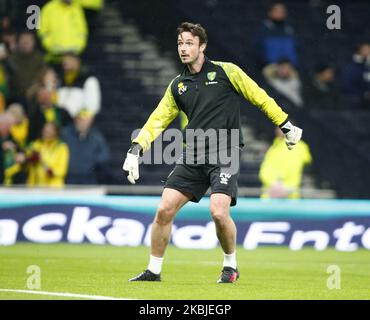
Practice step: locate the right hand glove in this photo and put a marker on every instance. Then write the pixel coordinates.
(131, 164)
(292, 134)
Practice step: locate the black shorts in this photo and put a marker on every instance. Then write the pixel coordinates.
(196, 179)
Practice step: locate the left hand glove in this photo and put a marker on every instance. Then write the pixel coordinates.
(292, 134)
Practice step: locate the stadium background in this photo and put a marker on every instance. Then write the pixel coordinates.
(131, 50)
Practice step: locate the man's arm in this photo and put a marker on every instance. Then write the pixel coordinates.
(161, 117)
(158, 121)
(250, 90)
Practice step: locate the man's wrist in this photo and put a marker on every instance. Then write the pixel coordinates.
(136, 149)
(286, 126)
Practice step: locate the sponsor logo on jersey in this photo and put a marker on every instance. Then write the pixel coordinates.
(182, 88)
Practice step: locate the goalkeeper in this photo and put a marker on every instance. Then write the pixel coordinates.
(207, 92)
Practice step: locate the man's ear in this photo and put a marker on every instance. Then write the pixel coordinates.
(203, 47)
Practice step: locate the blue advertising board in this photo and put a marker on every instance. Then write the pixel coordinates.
(126, 221)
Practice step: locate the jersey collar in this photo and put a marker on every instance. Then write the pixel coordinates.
(187, 73)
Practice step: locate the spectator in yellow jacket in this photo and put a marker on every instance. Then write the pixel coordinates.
(63, 28)
(20, 126)
(48, 159)
(282, 169)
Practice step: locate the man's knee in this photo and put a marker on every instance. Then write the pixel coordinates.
(165, 214)
(219, 215)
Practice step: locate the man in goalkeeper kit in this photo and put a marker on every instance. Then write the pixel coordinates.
(207, 92)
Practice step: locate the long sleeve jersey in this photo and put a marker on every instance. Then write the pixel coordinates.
(210, 100)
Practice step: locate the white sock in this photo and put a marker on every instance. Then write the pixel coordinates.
(230, 260)
(155, 264)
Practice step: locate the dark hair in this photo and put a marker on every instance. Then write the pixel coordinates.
(195, 29)
(284, 60)
(322, 67)
(25, 32)
(360, 45)
(275, 3)
(55, 125)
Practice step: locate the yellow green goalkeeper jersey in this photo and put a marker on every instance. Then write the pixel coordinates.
(210, 100)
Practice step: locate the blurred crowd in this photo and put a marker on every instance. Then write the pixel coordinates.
(276, 51)
(49, 99)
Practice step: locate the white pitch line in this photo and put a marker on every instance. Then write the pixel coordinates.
(62, 294)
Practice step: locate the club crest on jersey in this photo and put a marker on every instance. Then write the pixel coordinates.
(181, 88)
(211, 75)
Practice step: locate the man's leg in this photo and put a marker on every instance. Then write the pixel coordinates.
(171, 202)
(225, 226)
(226, 234)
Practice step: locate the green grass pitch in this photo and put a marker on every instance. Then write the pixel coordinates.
(266, 273)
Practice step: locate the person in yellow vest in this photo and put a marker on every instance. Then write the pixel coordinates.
(63, 28)
(14, 157)
(47, 159)
(92, 9)
(282, 169)
(91, 4)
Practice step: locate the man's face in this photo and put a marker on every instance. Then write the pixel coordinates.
(328, 75)
(5, 125)
(365, 51)
(44, 97)
(83, 124)
(49, 131)
(278, 12)
(284, 70)
(26, 43)
(70, 63)
(188, 47)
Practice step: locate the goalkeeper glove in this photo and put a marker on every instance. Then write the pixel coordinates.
(292, 134)
(131, 164)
